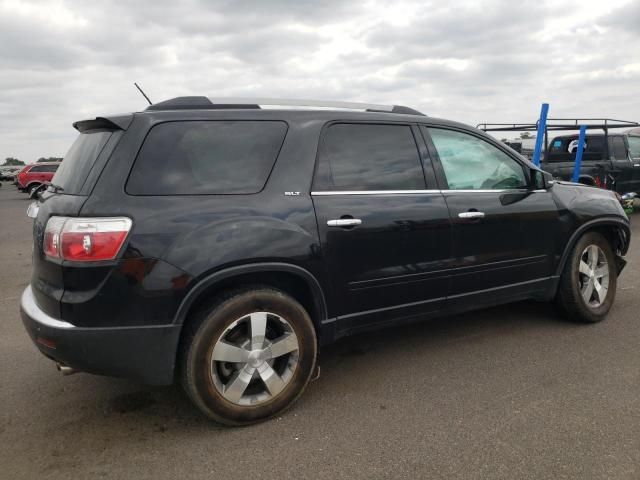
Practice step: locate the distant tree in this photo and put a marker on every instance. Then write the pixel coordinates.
(49, 159)
(10, 162)
(526, 135)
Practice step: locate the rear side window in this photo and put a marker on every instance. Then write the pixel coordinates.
(564, 149)
(360, 157)
(206, 157)
(79, 160)
(44, 168)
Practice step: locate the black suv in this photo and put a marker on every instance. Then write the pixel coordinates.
(221, 243)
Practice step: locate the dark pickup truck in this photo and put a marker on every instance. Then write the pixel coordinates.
(613, 163)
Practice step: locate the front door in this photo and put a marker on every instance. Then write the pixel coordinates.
(503, 228)
(386, 237)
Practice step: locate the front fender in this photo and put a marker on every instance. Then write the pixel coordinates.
(624, 237)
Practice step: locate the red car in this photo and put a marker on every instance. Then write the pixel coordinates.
(35, 177)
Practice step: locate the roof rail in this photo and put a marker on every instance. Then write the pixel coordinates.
(210, 103)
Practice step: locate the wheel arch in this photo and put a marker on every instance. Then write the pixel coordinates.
(292, 279)
(615, 229)
(587, 180)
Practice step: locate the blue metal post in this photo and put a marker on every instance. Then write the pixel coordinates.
(576, 166)
(542, 126)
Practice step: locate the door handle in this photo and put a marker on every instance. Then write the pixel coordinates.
(344, 222)
(471, 215)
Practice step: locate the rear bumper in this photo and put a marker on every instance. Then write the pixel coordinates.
(143, 353)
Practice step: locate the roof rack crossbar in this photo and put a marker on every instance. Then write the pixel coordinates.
(590, 123)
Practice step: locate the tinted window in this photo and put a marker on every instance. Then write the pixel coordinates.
(183, 158)
(44, 168)
(369, 157)
(619, 148)
(563, 149)
(73, 171)
(471, 163)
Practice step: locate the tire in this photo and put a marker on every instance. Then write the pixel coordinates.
(33, 193)
(230, 384)
(32, 188)
(575, 285)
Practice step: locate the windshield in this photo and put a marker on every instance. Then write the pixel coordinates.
(78, 161)
(634, 147)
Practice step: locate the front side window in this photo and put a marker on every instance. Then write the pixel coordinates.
(634, 147)
(206, 158)
(471, 163)
(361, 157)
(619, 148)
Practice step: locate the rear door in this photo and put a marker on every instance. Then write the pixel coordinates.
(37, 174)
(384, 228)
(633, 144)
(503, 230)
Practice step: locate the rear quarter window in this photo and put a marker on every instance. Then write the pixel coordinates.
(79, 160)
(206, 158)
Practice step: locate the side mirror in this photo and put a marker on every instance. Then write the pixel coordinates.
(541, 180)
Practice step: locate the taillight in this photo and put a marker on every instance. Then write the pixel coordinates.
(85, 239)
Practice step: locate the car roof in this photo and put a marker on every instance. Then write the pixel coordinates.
(204, 108)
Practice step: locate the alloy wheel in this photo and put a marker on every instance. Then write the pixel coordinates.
(594, 276)
(254, 359)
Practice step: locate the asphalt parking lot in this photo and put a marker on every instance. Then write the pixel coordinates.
(509, 392)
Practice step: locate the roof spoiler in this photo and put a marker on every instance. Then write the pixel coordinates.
(116, 122)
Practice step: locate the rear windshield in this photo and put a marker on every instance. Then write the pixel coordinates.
(634, 147)
(77, 163)
(206, 157)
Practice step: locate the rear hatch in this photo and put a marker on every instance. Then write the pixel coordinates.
(71, 186)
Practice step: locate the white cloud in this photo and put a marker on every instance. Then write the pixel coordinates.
(471, 61)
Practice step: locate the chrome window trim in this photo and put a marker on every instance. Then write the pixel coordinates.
(413, 192)
(480, 190)
(373, 192)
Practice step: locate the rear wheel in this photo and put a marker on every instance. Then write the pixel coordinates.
(248, 356)
(589, 279)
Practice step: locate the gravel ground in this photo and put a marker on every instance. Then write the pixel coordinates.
(509, 392)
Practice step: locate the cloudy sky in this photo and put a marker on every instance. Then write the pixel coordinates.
(472, 61)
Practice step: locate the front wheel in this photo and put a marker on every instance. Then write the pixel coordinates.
(34, 192)
(249, 356)
(589, 279)
(31, 189)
